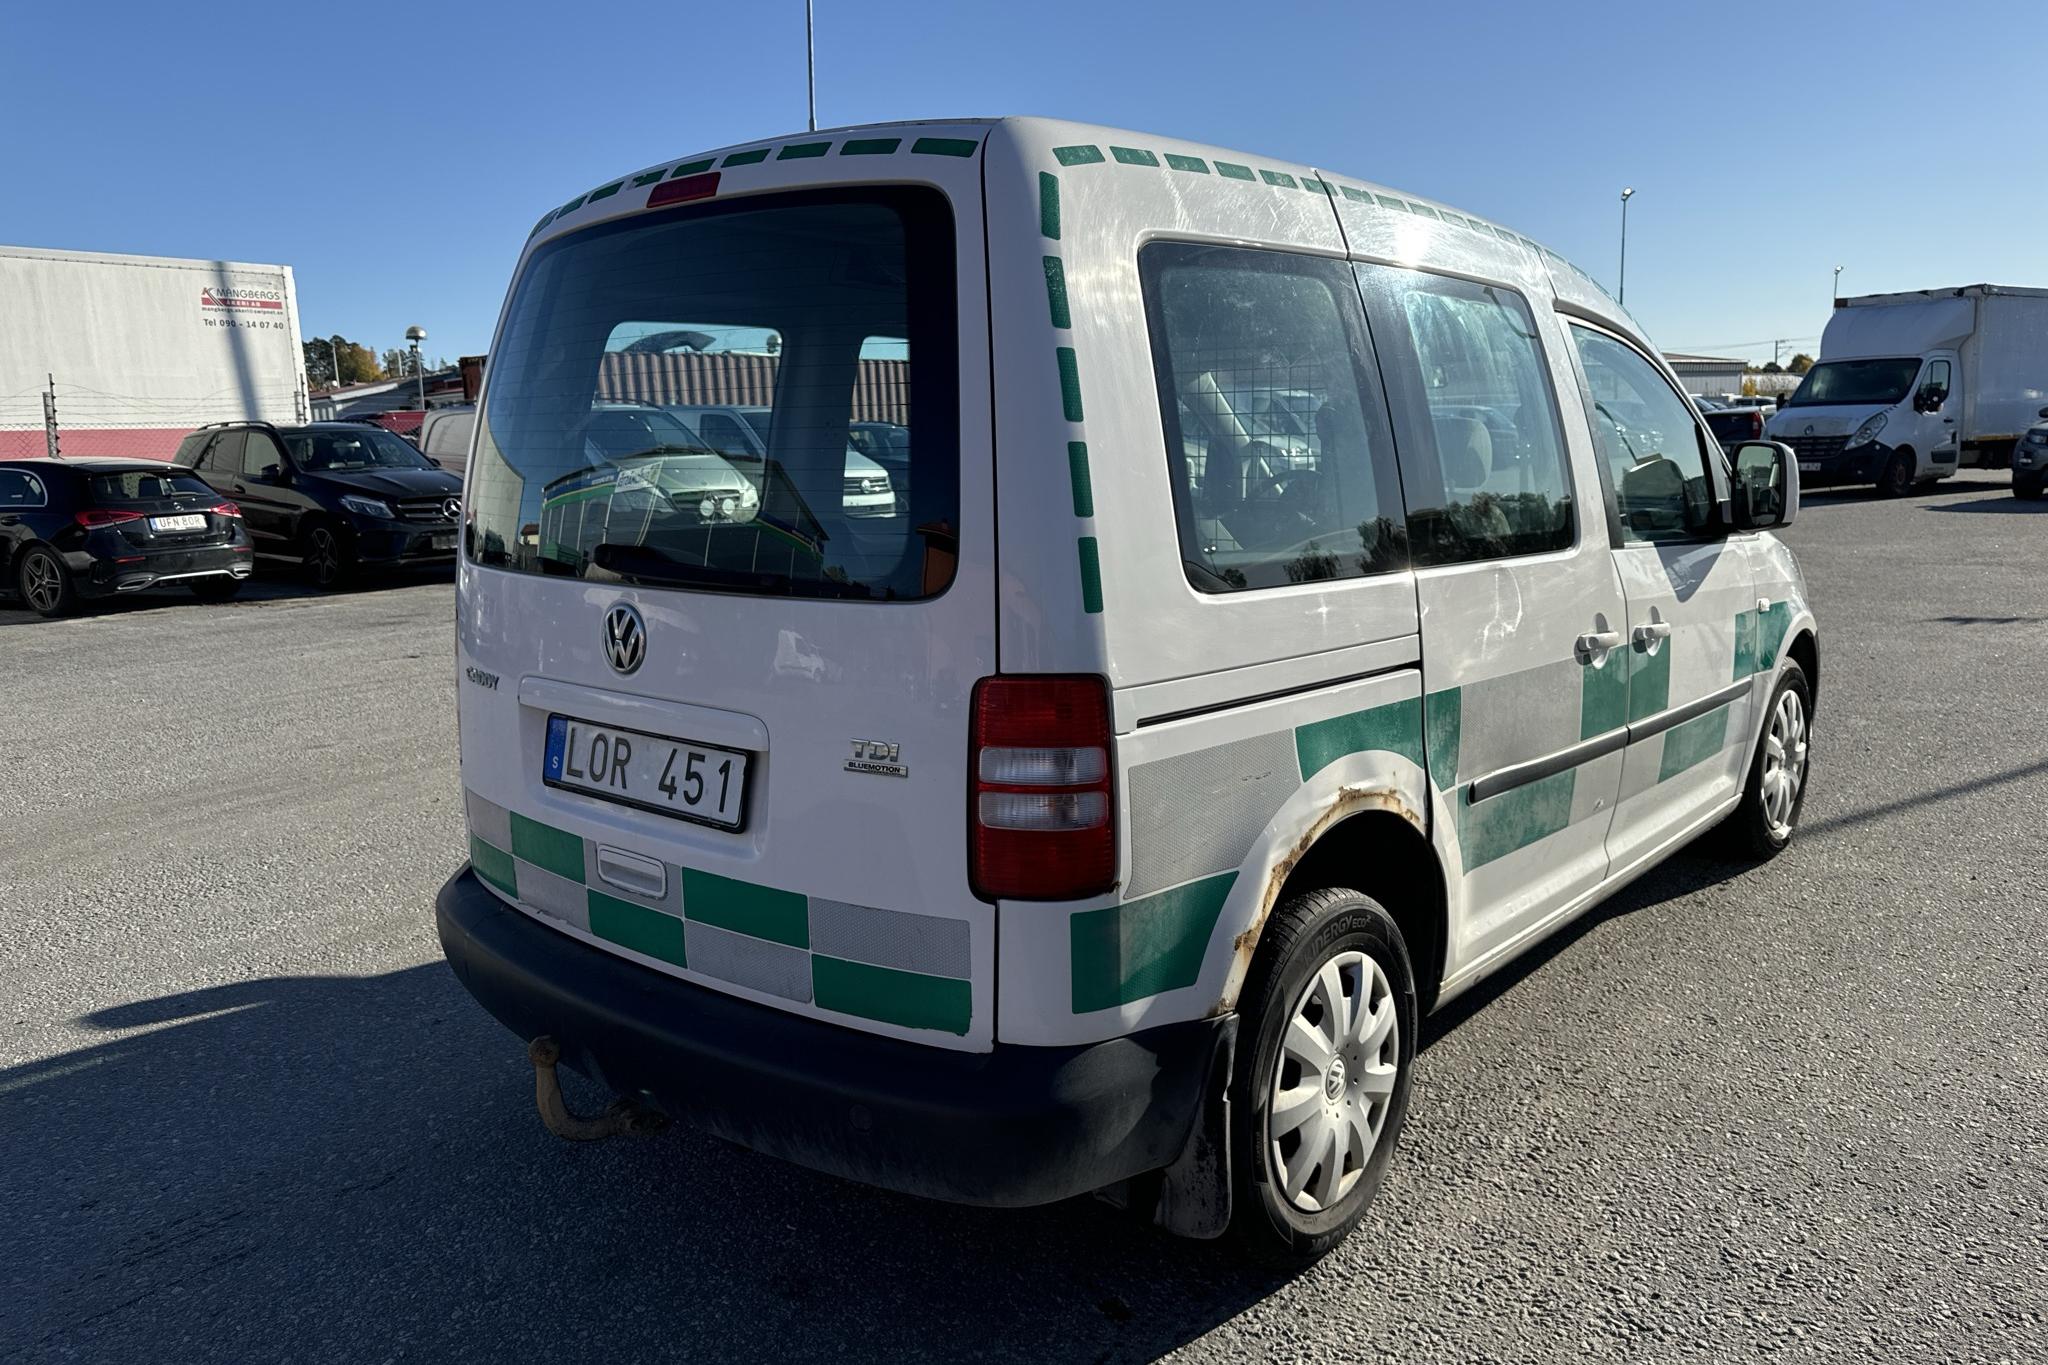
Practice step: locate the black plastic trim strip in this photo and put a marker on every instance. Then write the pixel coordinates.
(1522, 774)
(1679, 715)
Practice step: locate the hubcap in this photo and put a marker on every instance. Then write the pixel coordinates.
(41, 583)
(1339, 1057)
(1784, 763)
(323, 552)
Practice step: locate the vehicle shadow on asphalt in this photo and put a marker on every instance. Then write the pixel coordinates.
(352, 1167)
(2002, 502)
(275, 586)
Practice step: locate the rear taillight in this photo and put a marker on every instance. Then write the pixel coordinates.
(1756, 422)
(225, 509)
(1041, 810)
(93, 517)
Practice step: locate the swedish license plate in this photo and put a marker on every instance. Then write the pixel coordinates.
(678, 777)
(191, 521)
(1809, 466)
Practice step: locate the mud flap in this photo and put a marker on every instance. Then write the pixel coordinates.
(1193, 1197)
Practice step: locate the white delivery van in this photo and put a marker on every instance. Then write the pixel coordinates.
(1910, 386)
(1106, 817)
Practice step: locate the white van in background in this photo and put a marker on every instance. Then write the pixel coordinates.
(1910, 386)
(1298, 600)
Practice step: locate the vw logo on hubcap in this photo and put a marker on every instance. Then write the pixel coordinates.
(1333, 1081)
(625, 638)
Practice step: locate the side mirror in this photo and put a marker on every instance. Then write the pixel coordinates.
(1766, 485)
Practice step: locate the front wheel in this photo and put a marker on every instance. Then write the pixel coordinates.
(2026, 486)
(1897, 479)
(44, 583)
(1330, 1015)
(1762, 824)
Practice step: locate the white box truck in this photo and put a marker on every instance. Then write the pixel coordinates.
(130, 353)
(1910, 386)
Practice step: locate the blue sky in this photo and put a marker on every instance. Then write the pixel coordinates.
(397, 157)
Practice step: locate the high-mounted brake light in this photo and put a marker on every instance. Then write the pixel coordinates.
(684, 190)
(1041, 819)
(94, 517)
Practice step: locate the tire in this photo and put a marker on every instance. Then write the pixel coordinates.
(2026, 486)
(325, 551)
(1760, 826)
(1897, 479)
(43, 582)
(1353, 937)
(216, 589)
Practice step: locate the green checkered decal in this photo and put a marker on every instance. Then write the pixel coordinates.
(891, 966)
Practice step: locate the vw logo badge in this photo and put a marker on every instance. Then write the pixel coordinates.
(1809, 429)
(625, 638)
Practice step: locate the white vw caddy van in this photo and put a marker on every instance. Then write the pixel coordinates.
(1301, 599)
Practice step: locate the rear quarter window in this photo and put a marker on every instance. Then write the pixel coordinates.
(673, 398)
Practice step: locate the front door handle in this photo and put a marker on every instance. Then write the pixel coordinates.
(1646, 636)
(1590, 646)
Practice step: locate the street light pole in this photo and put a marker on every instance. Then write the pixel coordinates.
(414, 335)
(1838, 287)
(334, 360)
(1627, 192)
(810, 65)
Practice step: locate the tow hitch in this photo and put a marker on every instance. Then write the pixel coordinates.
(623, 1115)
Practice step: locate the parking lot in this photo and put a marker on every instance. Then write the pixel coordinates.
(246, 1112)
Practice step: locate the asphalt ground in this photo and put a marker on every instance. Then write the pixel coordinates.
(246, 1113)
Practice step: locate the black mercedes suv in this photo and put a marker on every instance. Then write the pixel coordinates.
(332, 495)
(92, 528)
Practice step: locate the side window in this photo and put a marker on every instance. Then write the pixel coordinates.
(224, 460)
(1276, 436)
(1936, 386)
(450, 435)
(261, 459)
(21, 490)
(723, 435)
(1649, 441)
(1489, 477)
(189, 449)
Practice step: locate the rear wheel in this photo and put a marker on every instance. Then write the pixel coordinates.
(327, 557)
(1330, 1017)
(1897, 479)
(217, 589)
(2026, 485)
(43, 582)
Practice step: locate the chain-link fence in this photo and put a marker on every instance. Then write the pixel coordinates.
(74, 421)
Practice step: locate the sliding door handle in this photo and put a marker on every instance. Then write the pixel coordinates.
(1589, 647)
(1647, 636)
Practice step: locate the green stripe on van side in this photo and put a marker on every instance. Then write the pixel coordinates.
(759, 154)
(1056, 292)
(1603, 695)
(1443, 724)
(1693, 743)
(699, 166)
(1187, 163)
(1230, 170)
(910, 999)
(1070, 382)
(1770, 634)
(1048, 205)
(494, 865)
(1649, 682)
(1278, 179)
(744, 908)
(1515, 819)
(607, 191)
(944, 146)
(641, 181)
(547, 848)
(1126, 952)
(1395, 727)
(869, 146)
(1083, 155)
(1091, 576)
(1134, 156)
(1077, 474)
(1745, 646)
(1355, 195)
(645, 931)
(798, 151)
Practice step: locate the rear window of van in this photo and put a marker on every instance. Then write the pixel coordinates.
(687, 399)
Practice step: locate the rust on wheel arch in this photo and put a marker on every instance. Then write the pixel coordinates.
(1349, 801)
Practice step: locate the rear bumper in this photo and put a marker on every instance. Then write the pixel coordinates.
(97, 575)
(1012, 1127)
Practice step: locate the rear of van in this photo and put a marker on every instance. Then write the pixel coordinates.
(747, 786)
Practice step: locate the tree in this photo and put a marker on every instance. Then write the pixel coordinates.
(358, 364)
(1772, 367)
(1801, 363)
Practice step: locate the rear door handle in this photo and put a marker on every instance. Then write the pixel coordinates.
(1645, 636)
(1587, 647)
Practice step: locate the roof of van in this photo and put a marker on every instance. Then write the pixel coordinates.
(1072, 144)
(1959, 291)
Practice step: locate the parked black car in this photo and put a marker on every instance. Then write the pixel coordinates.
(91, 528)
(332, 495)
